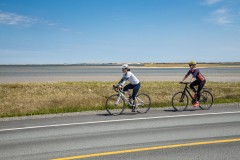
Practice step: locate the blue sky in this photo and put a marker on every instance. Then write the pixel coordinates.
(105, 31)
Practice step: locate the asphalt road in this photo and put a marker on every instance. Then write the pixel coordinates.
(193, 134)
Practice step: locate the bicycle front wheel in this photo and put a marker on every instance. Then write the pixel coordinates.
(180, 101)
(115, 105)
(206, 100)
(144, 103)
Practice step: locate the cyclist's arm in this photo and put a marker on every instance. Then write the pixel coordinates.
(121, 82)
(193, 78)
(186, 76)
(125, 77)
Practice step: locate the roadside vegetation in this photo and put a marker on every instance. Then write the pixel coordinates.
(23, 99)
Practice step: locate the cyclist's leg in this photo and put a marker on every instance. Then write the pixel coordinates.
(194, 83)
(135, 91)
(200, 87)
(127, 87)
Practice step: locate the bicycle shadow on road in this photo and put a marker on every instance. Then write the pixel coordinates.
(188, 109)
(123, 114)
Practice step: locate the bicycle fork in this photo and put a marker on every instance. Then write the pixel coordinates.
(118, 99)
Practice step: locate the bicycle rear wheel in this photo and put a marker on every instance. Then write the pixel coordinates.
(180, 101)
(206, 100)
(144, 103)
(115, 105)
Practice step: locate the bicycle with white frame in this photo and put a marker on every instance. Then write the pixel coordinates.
(116, 103)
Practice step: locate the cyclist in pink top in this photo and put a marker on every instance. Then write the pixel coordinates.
(199, 81)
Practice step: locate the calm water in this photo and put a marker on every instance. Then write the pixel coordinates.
(11, 74)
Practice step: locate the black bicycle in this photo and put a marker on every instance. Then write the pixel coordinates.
(180, 99)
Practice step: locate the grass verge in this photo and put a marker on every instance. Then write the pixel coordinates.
(24, 99)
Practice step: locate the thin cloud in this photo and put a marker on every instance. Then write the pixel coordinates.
(221, 16)
(14, 19)
(79, 32)
(227, 13)
(210, 2)
(8, 18)
(65, 29)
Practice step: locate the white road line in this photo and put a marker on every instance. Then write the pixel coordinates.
(118, 120)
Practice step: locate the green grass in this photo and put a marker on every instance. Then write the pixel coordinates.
(24, 99)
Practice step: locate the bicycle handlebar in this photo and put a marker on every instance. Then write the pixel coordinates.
(117, 89)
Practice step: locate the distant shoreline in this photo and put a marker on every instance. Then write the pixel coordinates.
(188, 67)
(199, 65)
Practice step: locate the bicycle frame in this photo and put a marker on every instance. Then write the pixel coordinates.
(121, 94)
(186, 89)
(116, 103)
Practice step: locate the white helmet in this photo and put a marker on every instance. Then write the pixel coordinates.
(124, 66)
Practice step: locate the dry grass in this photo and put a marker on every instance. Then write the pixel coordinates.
(44, 98)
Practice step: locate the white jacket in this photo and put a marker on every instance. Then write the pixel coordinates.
(129, 76)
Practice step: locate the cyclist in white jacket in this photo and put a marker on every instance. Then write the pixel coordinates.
(134, 84)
